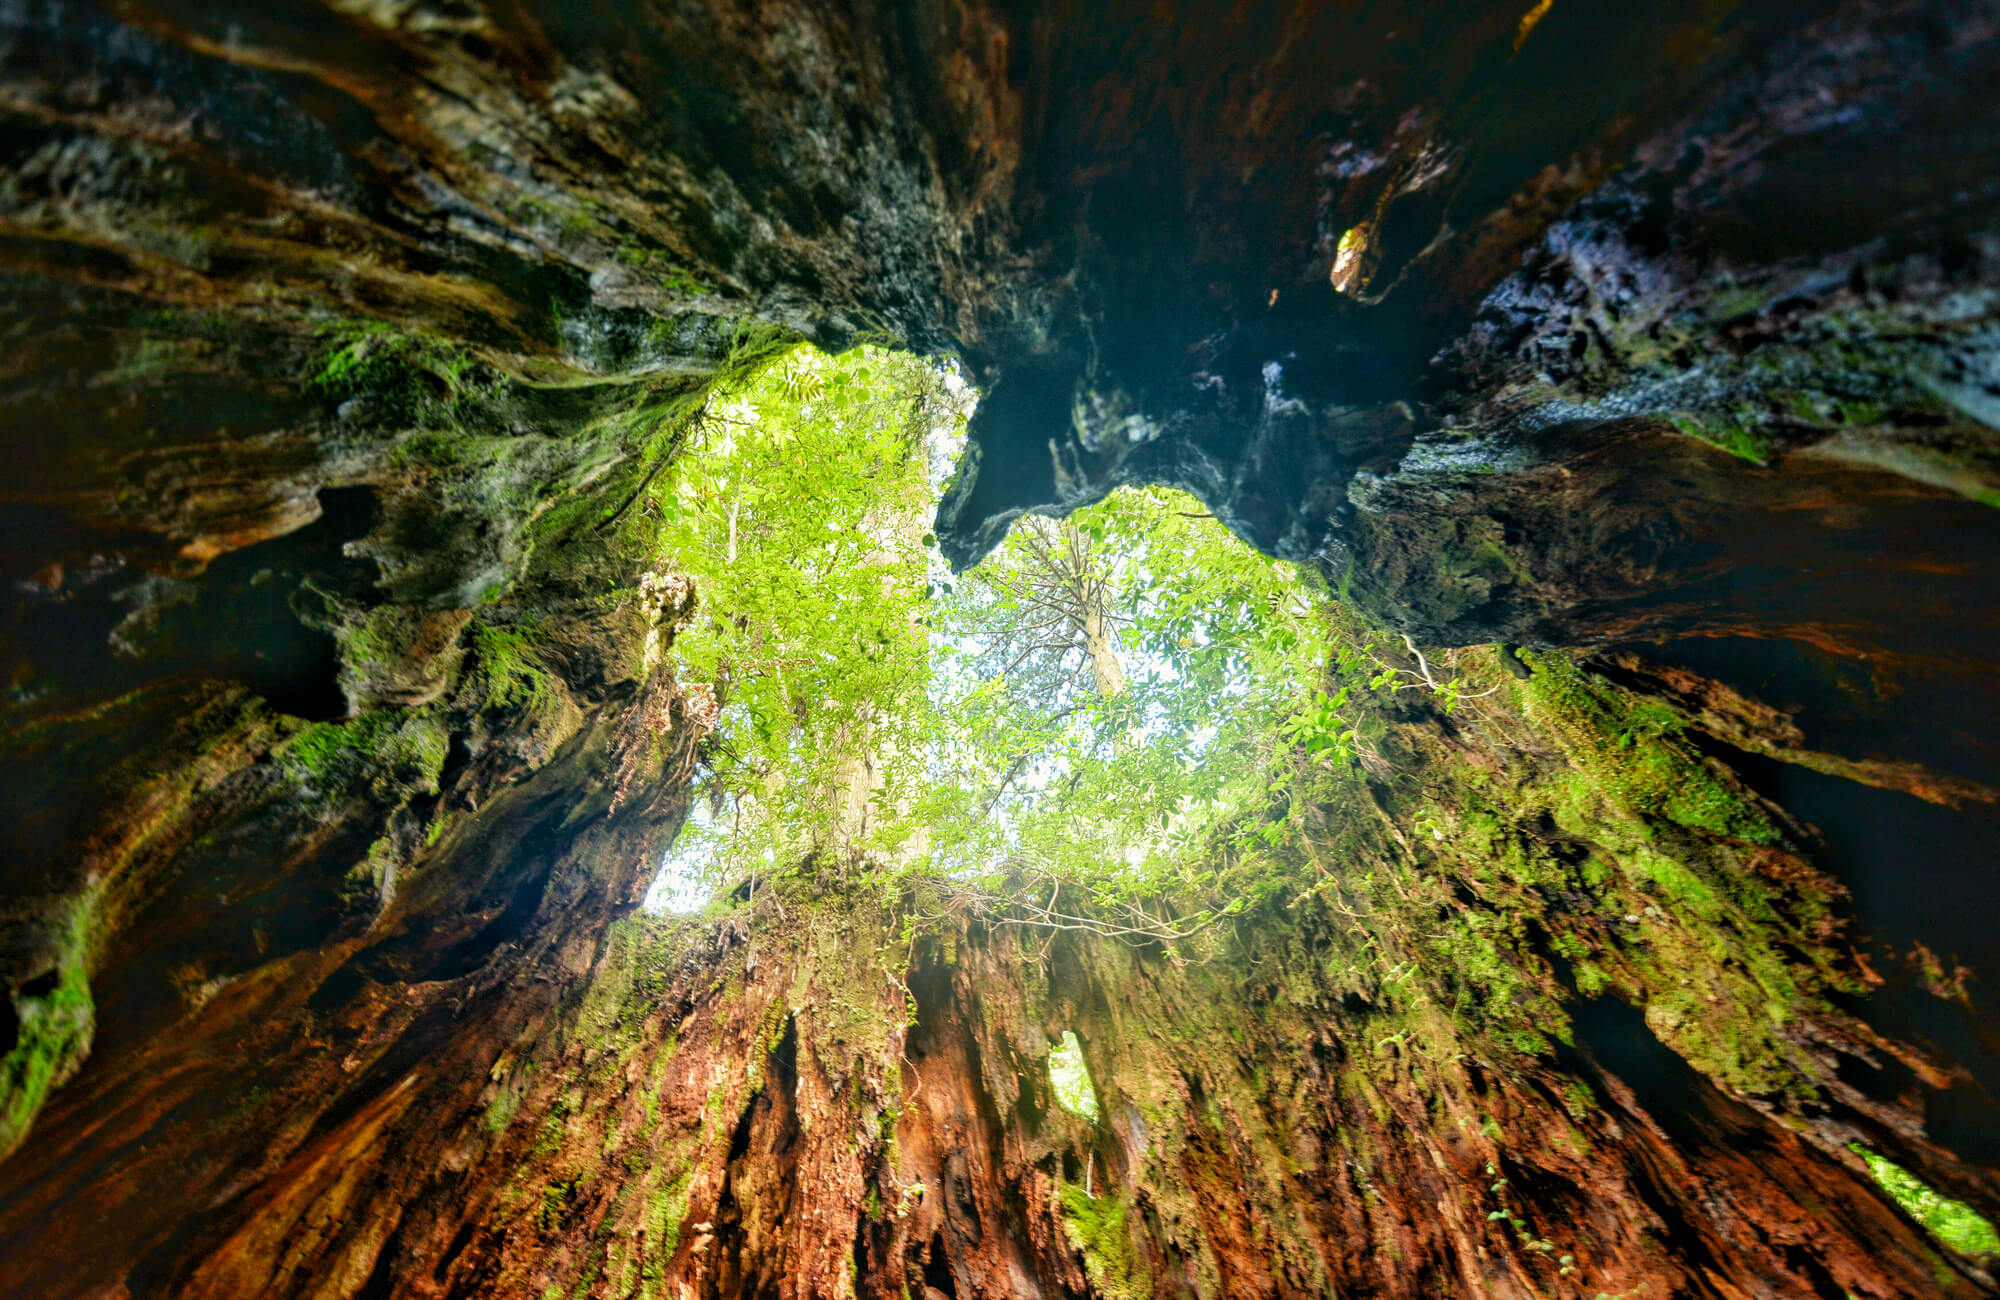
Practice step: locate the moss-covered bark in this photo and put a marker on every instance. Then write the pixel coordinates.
(1542, 1001)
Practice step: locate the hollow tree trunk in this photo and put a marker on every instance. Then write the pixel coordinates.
(337, 334)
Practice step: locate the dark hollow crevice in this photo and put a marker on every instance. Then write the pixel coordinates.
(930, 989)
(1922, 710)
(1802, 1263)
(384, 1279)
(337, 990)
(255, 615)
(254, 917)
(761, 1182)
(1877, 842)
(937, 1268)
(1884, 1079)
(1029, 1111)
(1616, 1036)
(1918, 874)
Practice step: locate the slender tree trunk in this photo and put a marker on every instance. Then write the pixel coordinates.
(1091, 612)
(866, 751)
(857, 778)
(1107, 672)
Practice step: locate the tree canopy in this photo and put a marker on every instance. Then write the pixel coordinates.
(1103, 695)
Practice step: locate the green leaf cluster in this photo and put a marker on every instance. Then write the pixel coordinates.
(800, 512)
(1223, 649)
(1070, 1078)
(964, 711)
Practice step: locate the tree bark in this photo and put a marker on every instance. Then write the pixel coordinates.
(833, 1088)
(1107, 671)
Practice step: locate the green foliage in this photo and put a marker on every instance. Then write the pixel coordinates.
(1219, 768)
(1508, 1215)
(1070, 1078)
(1956, 1224)
(1071, 802)
(799, 511)
(1068, 727)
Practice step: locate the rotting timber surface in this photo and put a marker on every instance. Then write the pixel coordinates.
(1596, 995)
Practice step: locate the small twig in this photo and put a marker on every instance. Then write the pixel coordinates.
(1424, 667)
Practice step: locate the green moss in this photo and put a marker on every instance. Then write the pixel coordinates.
(506, 1102)
(555, 1203)
(332, 753)
(754, 345)
(1737, 433)
(358, 346)
(58, 1019)
(664, 1215)
(1859, 412)
(569, 220)
(1628, 749)
(375, 639)
(676, 280)
(361, 887)
(1097, 1229)
(389, 747)
(437, 449)
(554, 1132)
(405, 377)
(1730, 303)
(1956, 1224)
(510, 666)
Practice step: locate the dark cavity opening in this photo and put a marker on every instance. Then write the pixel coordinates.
(258, 616)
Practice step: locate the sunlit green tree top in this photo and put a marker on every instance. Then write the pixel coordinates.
(1081, 710)
(799, 510)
